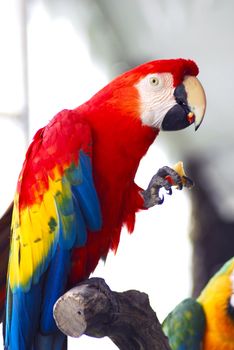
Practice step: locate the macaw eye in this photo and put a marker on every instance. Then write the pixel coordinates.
(154, 81)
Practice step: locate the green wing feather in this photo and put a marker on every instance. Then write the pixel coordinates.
(185, 326)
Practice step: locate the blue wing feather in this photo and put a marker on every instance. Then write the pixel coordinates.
(81, 238)
(55, 284)
(24, 315)
(87, 197)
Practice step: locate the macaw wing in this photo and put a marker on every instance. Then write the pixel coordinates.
(56, 204)
(185, 326)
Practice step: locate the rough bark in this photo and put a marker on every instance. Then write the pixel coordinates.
(91, 308)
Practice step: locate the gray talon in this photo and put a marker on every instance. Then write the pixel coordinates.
(188, 182)
(161, 200)
(169, 191)
(159, 180)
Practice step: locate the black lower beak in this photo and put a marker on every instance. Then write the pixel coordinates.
(177, 117)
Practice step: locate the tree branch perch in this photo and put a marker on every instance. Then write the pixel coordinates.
(91, 308)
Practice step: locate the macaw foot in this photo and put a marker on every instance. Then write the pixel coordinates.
(166, 177)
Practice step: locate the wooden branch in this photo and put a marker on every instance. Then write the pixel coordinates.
(91, 308)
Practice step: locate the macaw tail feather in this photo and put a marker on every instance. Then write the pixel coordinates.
(29, 327)
(51, 342)
(5, 229)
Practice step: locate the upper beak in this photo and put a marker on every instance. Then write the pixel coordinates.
(196, 99)
(189, 108)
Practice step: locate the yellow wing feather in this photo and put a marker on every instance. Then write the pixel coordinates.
(34, 231)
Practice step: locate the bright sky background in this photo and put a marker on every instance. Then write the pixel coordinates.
(156, 258)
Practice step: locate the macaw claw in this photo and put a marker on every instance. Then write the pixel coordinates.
(187, 182)
(166, 177)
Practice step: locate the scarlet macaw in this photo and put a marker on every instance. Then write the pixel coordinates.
(208, 322)
(76, 189)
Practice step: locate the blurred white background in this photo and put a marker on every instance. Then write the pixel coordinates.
(55, 55)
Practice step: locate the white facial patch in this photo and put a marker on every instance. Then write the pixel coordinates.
(156, 97)
(232, 284)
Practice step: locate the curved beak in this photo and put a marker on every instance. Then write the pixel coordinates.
(189, 108)
(196, 99)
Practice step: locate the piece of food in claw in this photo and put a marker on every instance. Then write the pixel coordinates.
(186, 181)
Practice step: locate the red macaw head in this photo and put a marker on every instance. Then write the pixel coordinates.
(165, 94)
(171, 96)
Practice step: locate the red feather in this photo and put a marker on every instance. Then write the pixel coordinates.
(52, 149)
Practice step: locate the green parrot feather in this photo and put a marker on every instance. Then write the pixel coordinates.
(189, 318)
